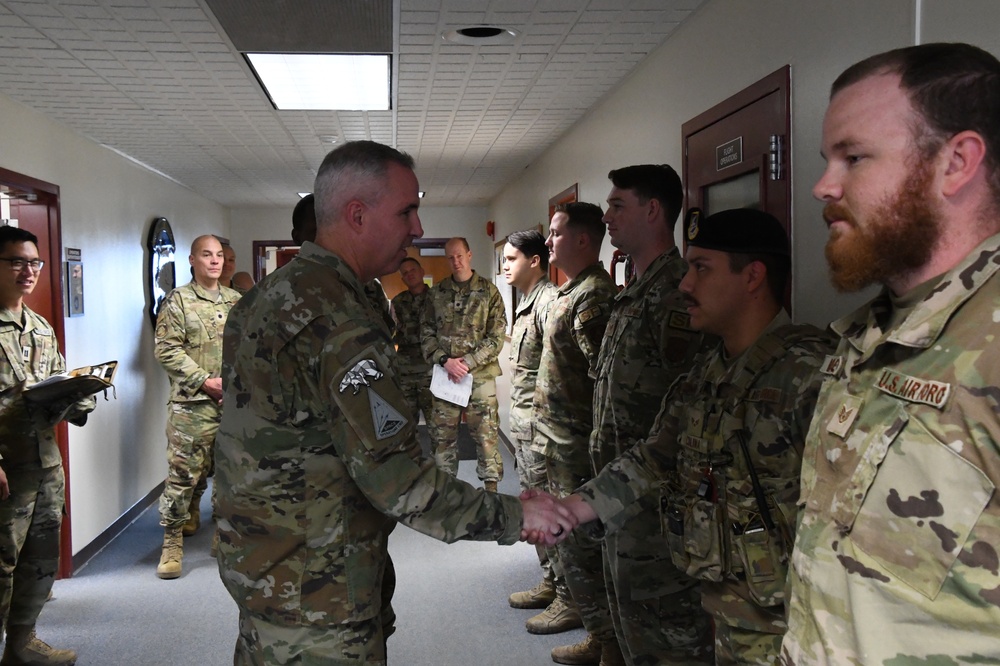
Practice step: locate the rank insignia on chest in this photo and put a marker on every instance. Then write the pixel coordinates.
(842, 420)
(26, 354)
(681, 320)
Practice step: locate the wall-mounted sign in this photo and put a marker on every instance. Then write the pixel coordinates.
(74, 254)
(729, 154)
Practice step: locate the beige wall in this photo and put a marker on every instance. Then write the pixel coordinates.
(725, 47)
(107, 204)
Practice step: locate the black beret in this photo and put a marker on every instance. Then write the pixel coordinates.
(742, 230)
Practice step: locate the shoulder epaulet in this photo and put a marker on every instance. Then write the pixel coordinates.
(771, 347)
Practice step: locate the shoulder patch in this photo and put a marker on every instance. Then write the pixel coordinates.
(385, 418)
(359, 376)
(589, 313)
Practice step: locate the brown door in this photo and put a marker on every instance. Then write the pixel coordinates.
(736, 154)
(35, 206)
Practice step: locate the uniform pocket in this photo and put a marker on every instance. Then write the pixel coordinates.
(920, 510)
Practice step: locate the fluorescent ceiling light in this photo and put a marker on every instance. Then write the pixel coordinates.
(303, 195)
(305, 81)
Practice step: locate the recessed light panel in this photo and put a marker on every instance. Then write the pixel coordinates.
(308, 82)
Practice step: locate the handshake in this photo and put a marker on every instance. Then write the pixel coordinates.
(548, 520)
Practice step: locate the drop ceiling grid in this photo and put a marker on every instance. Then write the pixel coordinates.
(158, 81)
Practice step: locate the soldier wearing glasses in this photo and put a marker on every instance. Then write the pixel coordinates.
(32, 487)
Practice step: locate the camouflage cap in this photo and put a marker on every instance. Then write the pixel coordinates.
(741, 230)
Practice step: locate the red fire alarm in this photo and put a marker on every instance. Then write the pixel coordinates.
(490, 229)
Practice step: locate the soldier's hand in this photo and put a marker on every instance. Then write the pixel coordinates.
(546, 520)
(4, 486)
(456, 369)
(213, 387)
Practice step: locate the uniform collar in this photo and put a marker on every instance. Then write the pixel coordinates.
(532, 295)
(670, 261)
(569, 285)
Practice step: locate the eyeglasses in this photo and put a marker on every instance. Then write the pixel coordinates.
(18, 264)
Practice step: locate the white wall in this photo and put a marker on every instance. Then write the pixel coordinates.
(107, 204)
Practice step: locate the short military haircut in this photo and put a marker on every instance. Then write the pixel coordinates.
(586, 218)
(304, 220)
(653, 181)
(409, 259)
(954, 88)
(531, 243)
(201, 239)
(355, 170)
(462, 240)
(9, 234)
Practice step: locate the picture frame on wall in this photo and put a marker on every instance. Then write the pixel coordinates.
(74, 288)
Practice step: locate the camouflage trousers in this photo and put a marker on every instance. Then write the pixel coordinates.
(580, 555)
(735, 646)
(531, 472)
(484, 424)
(29, 541)
(655, 607)
(417, 391)
(263, 643)
(191, 428)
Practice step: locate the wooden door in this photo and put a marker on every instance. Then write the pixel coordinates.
(35, 206)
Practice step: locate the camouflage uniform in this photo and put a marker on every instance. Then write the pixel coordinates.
(695, 457)
(525, 353)
(30, 518)
(376, 296)
(189, 347)
(414, 370)
(647, 345)
(563, 410)
(317, 459)
(467, 320)
(895, 558)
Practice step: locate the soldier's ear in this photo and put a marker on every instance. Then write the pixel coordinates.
(355, 213)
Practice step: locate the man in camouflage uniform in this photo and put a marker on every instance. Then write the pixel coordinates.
(563, 409)
(463, 332)
(317, 455)
(647, 345)
(189, 347)
(407, 307)
(32, 486)
(526, 268)
(895, 558)
(724, 454)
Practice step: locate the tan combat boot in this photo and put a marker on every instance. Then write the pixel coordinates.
(540, 596)
(585, 653)
(560, 616)
(172, 554)
(24, 648)
(611, 654)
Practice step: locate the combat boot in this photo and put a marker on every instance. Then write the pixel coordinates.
(172, 554)
(611, 654)
(557, 618)
(585, 653)
(24, 648)
(540, 596)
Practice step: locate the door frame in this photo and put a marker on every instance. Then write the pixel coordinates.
(49, 193)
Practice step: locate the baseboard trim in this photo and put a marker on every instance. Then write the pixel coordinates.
(88, 552)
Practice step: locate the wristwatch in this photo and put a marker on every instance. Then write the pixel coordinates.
(443, 360)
